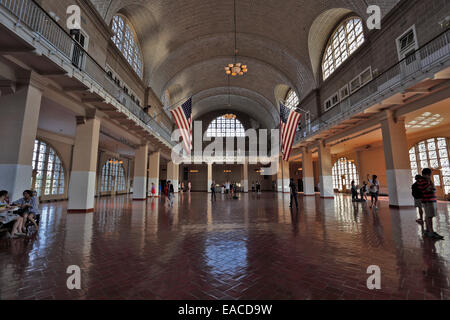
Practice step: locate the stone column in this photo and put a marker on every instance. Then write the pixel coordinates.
(398, 167)
(308, 172)
(18, 127)
(153, 176)
(84, 166)
(140, 173)
(172, 175)
(325, 171)
(210, 177)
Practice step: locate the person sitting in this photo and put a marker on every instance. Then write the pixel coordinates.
(28, 209)
(14, 225)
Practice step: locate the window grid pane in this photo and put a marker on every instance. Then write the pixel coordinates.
(125, 41)
(48, 172)
(347, 37)
(222, 127)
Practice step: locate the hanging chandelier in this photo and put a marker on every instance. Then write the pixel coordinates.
(236, 68)
(229, 116)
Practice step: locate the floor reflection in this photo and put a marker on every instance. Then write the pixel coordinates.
(252, 248)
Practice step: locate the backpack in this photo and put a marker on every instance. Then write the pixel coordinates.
(416, 192)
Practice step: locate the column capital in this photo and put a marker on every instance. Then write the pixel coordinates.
(26, 77)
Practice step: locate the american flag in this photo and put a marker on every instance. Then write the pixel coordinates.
(183, 119)
(289, 120)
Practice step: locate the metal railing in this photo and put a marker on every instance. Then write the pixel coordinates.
(432, 53)
(30, 14)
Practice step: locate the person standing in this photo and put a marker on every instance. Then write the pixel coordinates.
(227, 187)
(171, 193)
(293, 188)
(374, 188)
(153, 190)
(189, 186)
(213, 191)
(354, 192)
(417, 195)
(429, 201)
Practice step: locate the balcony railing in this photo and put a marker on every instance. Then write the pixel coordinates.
(431, 54)
(30, 14)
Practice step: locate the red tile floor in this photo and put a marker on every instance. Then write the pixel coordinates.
(233, 249)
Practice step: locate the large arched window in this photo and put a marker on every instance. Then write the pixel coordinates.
(113, 176)
(292, 100)
(434, 154)
(344, 172)
(48, 171)
(126, 41)
(347, 37)
(226, 126)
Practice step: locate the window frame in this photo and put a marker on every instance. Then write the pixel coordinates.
(134, 54)
(291, 96)
(225, 128)
(343, 23)
(60, 179)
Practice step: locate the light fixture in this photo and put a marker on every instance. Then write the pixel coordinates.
(426, 120)
(229, 116)
(236, 68)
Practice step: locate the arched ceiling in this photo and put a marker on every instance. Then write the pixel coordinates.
(187, 43)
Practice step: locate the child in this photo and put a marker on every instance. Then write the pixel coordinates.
(364, 190)
(417, 195)
(429, 201)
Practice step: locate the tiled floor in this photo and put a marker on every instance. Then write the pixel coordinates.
(233, 249)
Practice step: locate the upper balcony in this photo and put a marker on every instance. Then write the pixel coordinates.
(397, 85)
(30, 34)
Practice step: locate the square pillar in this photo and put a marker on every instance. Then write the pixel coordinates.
(84, 166)
(18, 127)
(280, 176)
(286, 176)
(172, 175)
(153, 175)
(245, 176)
(140, 173)
(210, 177)
(398, 167)
(308, 172)
(325, 171)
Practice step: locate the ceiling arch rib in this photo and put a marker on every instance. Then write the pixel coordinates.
(253, 47)
(270, 111)
(238, 103)
(210, 74)
(182, 40)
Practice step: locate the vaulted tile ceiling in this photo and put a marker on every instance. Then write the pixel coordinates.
(186, 44)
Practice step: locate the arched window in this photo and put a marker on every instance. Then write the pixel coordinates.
(344, 172)
(347, 37)
(292, 99)
(126, 41)
(48, 171)
(434, 154)
(113, 176)
(226, 126)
